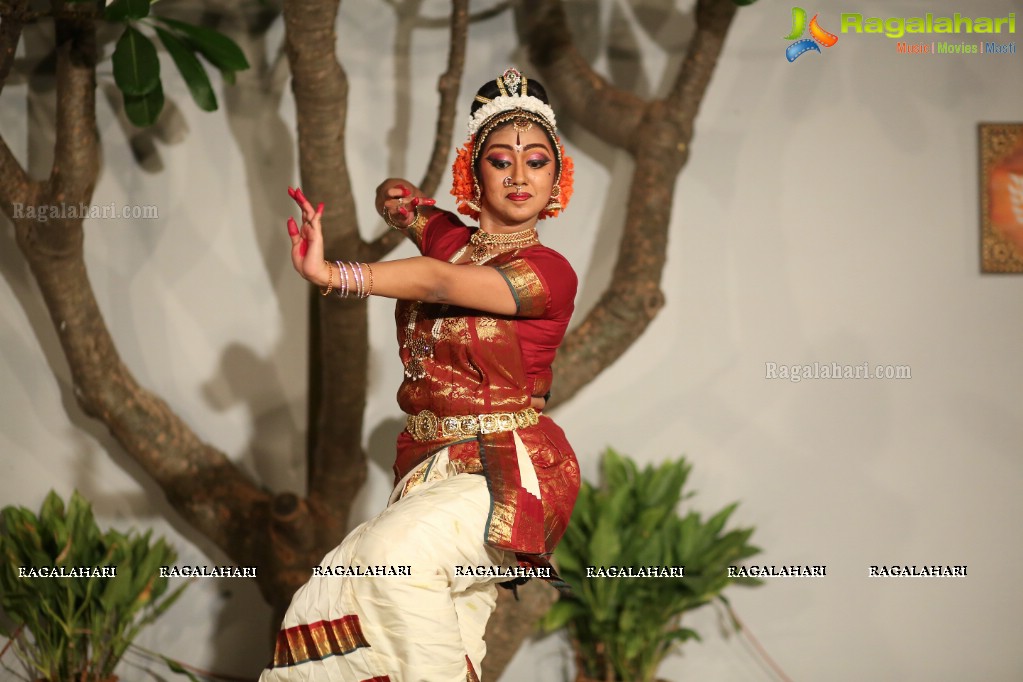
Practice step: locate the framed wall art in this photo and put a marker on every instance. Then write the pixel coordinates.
(1001, 197)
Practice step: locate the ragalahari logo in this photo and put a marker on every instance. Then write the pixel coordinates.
(818, 36)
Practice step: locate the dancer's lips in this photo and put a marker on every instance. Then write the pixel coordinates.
(520, 196)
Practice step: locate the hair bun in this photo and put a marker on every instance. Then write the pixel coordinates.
(491, 90)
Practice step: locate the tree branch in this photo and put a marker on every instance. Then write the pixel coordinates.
(584, 95)
(448, 86)
(632, 301)
(208, 490)
(713, 19)
(76, 153)
(204, 486)
(15, 185)
(440, 22)
(14, 181)
(12, 20)
(634, 297)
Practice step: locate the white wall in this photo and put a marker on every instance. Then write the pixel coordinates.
(829, 213)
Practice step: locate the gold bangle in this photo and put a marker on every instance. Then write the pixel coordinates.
(387, 219)
(330, 278)
(369, 287)
(420, 221)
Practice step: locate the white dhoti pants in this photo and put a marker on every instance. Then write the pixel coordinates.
(417, 628)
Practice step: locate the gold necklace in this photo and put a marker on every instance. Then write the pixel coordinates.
(486, 245)
(421, 347)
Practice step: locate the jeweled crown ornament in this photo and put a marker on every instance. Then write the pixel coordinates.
(511, 79)
(514, 89)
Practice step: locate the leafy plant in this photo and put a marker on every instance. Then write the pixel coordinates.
(77, 628)
(622, 628)
(137, 66)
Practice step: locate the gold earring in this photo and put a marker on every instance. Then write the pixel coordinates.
(554, 204)
(475, 203)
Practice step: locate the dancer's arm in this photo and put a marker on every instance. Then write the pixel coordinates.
(412, 279)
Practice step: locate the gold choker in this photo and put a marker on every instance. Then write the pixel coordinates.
(486, 245)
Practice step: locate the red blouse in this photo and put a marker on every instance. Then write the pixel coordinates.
(484, 363)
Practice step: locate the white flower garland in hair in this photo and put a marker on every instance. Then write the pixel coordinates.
(509, 103)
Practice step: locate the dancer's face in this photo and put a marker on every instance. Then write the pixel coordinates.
(525, 156)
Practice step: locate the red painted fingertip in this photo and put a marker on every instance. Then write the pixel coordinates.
(428, 202)
(299, 195)
(403, 211)
(292, 227)
(291, 192)
(319, 209)
(303, 248)
(405, 191)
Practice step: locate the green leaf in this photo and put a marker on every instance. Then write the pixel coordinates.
(605, 543)
(136, 66)
(219, 50)
(717, 522)
(123, 10)
(669, 481)
(584, 512)
(127, 10)
(567, 561)
(144, 110)
(682, 635)
(177, 668)
(559, 615)
(53, 508)
(168, 601)
(616, 472)
(191, 70)
(118, 590)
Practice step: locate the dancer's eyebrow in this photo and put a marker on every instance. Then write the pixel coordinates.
(541, 145)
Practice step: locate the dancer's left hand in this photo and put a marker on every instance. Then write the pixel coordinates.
(395, 197)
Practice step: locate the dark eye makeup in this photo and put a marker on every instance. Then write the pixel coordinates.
(498, 162)
(534, 162)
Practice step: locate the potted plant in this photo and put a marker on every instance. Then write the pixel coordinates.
(622, 628)
(77, 596)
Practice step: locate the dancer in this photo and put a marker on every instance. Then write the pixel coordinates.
(484, 481)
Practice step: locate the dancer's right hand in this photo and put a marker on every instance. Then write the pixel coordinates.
(307, 241)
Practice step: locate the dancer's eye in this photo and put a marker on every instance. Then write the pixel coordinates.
(498, 162)
(538, 161)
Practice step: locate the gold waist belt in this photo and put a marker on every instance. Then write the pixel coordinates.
(428, 426)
